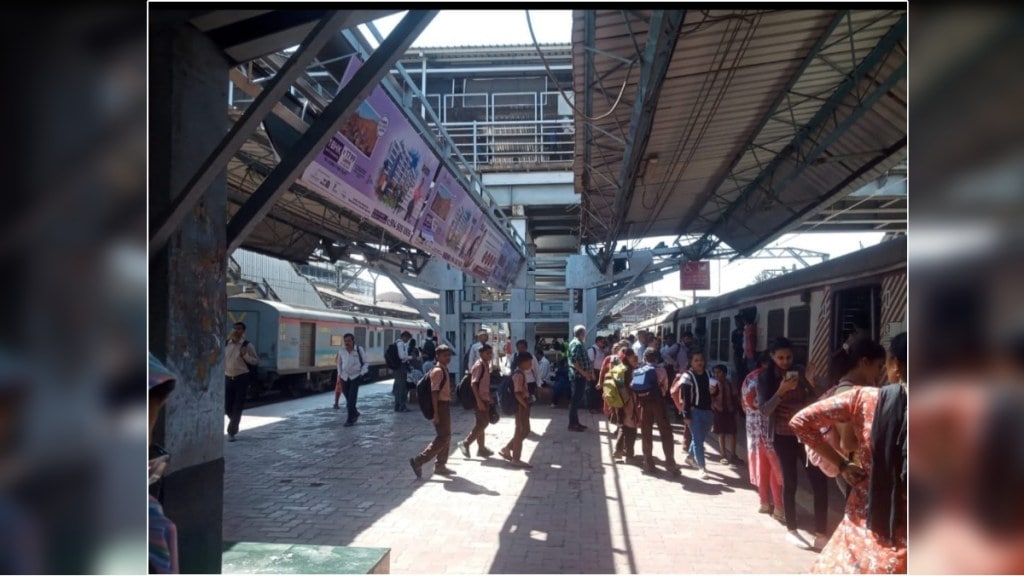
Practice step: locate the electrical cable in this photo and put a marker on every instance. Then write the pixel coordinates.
(558, 85)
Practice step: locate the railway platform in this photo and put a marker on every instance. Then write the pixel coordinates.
(296, 476)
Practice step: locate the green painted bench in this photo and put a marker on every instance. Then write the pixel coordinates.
(266, 558)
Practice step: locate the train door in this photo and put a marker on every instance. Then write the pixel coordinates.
(798, 330)
(307, 344)
(857, 310)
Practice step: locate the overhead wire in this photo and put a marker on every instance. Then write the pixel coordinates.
(558, 85)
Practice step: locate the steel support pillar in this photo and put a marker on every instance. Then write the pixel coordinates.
(187, 288)
(312, 142)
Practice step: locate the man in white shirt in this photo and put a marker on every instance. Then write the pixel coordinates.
(399, 388)
(641, 344)
(543, 366)
(352, 368)
(474, 351)
(670, 356)
(238, 354)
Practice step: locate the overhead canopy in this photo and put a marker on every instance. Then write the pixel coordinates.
(735, 125)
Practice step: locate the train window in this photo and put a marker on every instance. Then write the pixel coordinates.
(799, 332)
(389, 336)
(776, 324)
(713, 348)
(361, 337)
(724, 343)
(336, 341)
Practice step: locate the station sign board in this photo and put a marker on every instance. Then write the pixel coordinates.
(695, 275)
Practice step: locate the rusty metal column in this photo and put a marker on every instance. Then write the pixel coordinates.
(188, 98)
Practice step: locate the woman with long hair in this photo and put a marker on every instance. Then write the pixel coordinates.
(782, 391)
(872, 537)
(694, 388)
(763, 463)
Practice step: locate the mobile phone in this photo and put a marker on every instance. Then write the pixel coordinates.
(792, 374)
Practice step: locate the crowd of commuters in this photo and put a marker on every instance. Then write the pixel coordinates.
(839, 423)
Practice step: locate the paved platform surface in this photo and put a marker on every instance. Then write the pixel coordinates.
(295, 475)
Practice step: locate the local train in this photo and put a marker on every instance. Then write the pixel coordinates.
(298, 346)
(816, 308)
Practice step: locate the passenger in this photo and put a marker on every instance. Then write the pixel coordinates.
(872, 537)
(474, 351)
(563, 387)
(592, 394)
(163, 534)
(480, 380)
(352, 370)
(692, 394)
(513, 451)
(543, 367)
(581, 372)
(669, 353)
(615, 376)
(724, 404)
(429, 350)
(763, 462)
(441, 396)
(859, 362)
(782, 392)
(652, 411)
(400, 387)
(238, 355)
(640, 344)
(532, 375)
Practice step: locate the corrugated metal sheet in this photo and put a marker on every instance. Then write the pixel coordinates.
(729, 66)
(290, 286)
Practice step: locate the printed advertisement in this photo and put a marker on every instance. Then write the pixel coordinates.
(448, 223)
(376, 165)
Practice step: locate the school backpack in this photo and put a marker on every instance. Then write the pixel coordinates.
(645, 380)
(464, 391)
(424, 395)
(391, 357)
(507, 396)
(613, 379)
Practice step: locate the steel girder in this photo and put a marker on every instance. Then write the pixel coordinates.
(812, 140)
(183, 203)
(662, 36)
(309, 145)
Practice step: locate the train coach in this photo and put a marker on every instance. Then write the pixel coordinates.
(817, 308)
(298, 346)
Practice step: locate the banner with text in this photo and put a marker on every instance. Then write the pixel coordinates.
(376, 165)
(695, 275)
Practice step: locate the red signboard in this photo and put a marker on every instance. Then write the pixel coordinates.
(695, 275)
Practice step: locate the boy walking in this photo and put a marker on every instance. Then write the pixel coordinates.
(441, 393)
(480, 382)
(513, 451)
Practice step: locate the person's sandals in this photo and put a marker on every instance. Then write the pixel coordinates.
(418, 470)
(464, 448)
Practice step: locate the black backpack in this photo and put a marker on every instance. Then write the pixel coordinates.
(428, 350)
(425, 395)
(464, 391)
(507, 396)
(391, 357)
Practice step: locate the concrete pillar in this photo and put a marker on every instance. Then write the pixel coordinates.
(188, 306)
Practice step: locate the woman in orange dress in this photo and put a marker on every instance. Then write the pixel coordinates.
(872, 538)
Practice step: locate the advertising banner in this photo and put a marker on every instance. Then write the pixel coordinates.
(448, 223)
(376, 165)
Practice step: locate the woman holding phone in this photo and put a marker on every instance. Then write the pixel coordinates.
(782, 392)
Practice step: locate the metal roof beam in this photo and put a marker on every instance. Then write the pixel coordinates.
(804, 149)
(314, 139)
(662, 36)
(773, 110)
(244, 128)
